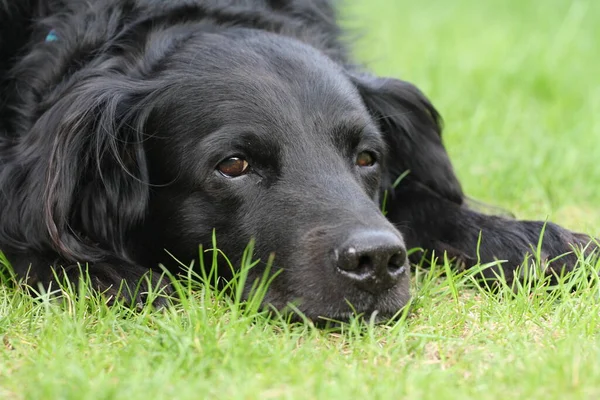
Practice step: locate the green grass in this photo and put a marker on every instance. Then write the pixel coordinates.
(517, 83)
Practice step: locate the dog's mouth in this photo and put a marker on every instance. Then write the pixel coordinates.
(372, 308)
(371, 317)
(374, 314)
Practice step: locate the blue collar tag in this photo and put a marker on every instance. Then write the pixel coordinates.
(52, 36)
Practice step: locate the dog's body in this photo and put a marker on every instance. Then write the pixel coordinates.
(131, 127)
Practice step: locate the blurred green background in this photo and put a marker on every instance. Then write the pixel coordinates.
(518, 85)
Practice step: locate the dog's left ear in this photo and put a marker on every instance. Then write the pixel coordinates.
(90, 174)
(412, 129)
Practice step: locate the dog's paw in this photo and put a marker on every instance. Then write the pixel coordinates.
(562, 250)
(547, 247)
(507, 248)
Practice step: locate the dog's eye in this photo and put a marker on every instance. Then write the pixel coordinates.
(233, 166)
(365, 159)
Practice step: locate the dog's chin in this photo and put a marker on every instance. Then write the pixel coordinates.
(378, 308)
(372, 316)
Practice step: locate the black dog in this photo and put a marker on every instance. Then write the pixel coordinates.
(130, 127)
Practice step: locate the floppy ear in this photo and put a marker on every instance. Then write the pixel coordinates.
(412, 129)
(87, 175)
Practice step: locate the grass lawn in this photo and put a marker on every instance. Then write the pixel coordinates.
(518, 84)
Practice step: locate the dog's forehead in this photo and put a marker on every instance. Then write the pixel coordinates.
(276, 82)
(308, 98)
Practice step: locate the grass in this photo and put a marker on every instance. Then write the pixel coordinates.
(517, 83)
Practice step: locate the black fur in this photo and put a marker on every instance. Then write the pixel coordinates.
(110, 137)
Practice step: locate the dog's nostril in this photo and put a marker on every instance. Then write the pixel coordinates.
(365, 263)
(396, 262)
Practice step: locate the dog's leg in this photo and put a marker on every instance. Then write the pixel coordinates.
(434, 223)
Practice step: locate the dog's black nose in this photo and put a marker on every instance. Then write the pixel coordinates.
(374, 260)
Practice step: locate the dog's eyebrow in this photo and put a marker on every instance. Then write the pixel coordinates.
(351, 133)
(232, 138)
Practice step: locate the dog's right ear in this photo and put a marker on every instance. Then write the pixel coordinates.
(412, 129)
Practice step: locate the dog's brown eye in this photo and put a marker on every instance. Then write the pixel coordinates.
(233, 166)
(365, 159)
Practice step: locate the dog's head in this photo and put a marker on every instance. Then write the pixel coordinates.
(252, 135)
